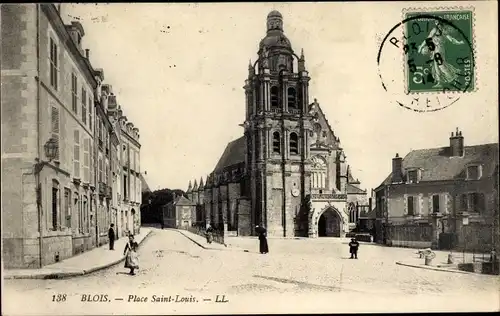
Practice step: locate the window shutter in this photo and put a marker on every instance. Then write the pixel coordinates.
(106, 173)
(420, 204)
(76, 154)
(100, 170)
(431, 204)
(480, 203)
(55, 129)
(443, 203)
(84, 105)
(405, 210)
(91, 105)
(91, 167)
(86, 160)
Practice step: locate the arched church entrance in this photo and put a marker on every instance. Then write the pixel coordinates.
(329, 224)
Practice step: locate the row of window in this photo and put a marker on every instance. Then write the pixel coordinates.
(73, 204)
(131, 189)
(276, 98)
(470, 202)
(88, 153)
(294, 143)
(86, 99)
(318, 179)
(131, 158)
(80, 206)
(473, 172)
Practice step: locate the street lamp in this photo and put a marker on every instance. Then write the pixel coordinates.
(51, 148)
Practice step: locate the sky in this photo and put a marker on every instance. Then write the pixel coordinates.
(178, 71)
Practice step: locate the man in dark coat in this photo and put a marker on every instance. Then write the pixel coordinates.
(262, 233)
(111, 236)
(353, 248)
(209, 233)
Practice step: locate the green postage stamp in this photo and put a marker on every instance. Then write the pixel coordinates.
(439, 51)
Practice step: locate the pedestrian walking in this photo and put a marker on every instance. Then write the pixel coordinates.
(262, 233)
(209, 233)
(353, 248)
(131, 256)
(111, 236)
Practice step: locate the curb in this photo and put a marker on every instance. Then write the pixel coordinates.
(433, 268)
(193, 240)
(67, 275)
(206, 248)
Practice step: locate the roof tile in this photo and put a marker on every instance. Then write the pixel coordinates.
(438, 165)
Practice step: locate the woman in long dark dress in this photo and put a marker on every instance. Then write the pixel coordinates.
(262, 233)
(130, 253)
(209, 233)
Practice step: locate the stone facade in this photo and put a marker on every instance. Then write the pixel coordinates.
(180, 213)
(127, 177)
(289, 167)
(51, 208)
(449, 188)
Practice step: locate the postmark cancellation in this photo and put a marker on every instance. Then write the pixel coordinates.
(427, 60)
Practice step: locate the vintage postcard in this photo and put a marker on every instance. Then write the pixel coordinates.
(249, 158)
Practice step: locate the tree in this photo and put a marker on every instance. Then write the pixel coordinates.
(153, 202)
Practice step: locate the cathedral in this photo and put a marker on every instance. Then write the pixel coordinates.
(288, 172)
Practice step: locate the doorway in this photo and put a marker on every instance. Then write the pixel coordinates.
(329, 224)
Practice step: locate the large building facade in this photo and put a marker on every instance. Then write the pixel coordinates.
(52, 207)
(289, 171)
(434, 192)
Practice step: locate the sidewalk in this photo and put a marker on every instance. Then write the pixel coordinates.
(202, 241)
(439, 263)
(85, 263)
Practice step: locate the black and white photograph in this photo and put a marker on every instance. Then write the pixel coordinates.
(249, 158)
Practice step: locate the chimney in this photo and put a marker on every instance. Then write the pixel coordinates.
(87, 53)
(456, 144)
(397, 169)
(76, 32)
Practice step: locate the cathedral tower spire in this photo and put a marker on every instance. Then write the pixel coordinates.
(275, 50)
(277, 132)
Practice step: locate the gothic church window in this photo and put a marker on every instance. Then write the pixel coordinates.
(274, 97)
(292, 104)
(318, 174)
(276, 143)
(294, 144)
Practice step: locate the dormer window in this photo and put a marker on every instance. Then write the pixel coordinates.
(474, 172)
(413, 176)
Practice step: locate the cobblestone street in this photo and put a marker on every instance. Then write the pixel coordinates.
(297, 276)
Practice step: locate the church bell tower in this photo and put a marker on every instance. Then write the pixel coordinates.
(277, 132)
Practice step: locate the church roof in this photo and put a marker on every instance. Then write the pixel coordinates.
(437, 165)
(370, 214)
(183, 201)
(144, 184)
(352, 189)
(322, 114)
(234, 153)
(275, 37)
